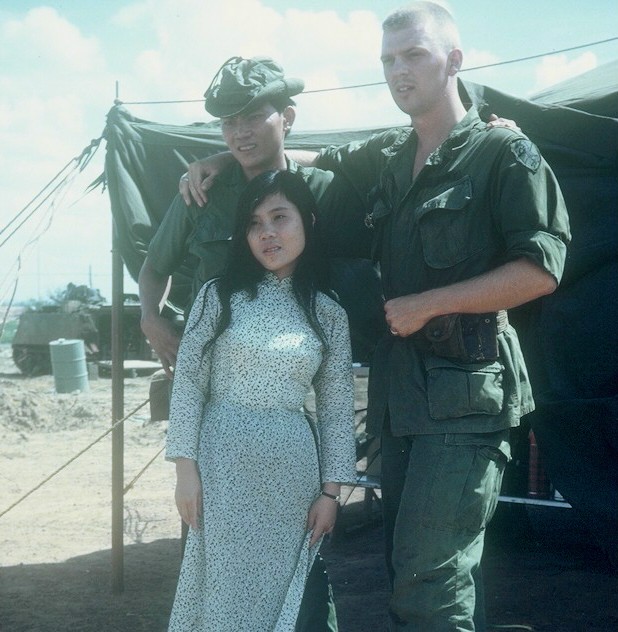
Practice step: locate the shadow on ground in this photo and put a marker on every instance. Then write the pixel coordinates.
(540, 575)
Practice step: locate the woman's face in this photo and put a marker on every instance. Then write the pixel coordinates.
(276, 235)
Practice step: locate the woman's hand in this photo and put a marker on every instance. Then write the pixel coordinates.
(322, 517)
(188, 492)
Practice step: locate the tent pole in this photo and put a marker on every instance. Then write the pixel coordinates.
(117, 413)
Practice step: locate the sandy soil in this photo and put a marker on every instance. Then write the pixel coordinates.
(55, 560)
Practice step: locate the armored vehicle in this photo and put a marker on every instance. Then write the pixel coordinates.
(81, 314)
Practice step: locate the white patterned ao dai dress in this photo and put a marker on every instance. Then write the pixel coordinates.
(238, 412)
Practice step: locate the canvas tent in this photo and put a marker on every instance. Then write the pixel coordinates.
(569, 338)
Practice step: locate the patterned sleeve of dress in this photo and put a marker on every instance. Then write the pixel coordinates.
(334, 398)
(192, 376)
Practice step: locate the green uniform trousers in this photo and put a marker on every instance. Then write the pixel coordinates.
(438, 493)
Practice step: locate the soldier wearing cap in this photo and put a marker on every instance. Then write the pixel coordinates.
(252, 97)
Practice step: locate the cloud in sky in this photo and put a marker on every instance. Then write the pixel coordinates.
(555, 68)
(50, 75)
(473, 58)
(44, 35)
(345, 50)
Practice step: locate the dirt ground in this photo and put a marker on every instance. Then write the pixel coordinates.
(541, 574)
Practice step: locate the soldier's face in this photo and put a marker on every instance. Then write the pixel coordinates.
(416, 67)
(255, 138)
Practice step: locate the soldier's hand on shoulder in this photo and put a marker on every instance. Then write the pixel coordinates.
(498, 121)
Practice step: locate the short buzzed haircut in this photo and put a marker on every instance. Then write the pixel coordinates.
(438, 16)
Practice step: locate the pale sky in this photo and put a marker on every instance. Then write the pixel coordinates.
(60, 61)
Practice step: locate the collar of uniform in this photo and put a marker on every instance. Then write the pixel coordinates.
(400, 142)
(293, 166)
(461, 129)
(457, 139)
(232, 175)
(404, 145)
(399, 154)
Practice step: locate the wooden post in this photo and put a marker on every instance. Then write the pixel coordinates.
(117, 413)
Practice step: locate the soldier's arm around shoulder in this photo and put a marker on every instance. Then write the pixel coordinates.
(361, 161)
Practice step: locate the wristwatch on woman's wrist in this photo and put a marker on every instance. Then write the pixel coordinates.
(336, 498)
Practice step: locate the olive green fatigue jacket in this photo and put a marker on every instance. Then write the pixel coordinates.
(483, 198)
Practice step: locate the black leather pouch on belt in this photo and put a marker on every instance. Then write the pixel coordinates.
(465, 337)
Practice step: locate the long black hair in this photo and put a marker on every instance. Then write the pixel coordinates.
(243, 272)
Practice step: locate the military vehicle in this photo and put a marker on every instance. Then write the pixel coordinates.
(79, 313)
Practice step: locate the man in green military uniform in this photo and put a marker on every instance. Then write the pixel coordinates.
(252, 97)
(468, 222)
(253, 100)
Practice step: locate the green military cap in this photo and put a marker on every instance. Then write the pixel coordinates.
(242, 83)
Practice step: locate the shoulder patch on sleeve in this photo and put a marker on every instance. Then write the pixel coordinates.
(526, 153)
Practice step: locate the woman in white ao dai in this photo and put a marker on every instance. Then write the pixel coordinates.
(256, 481)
